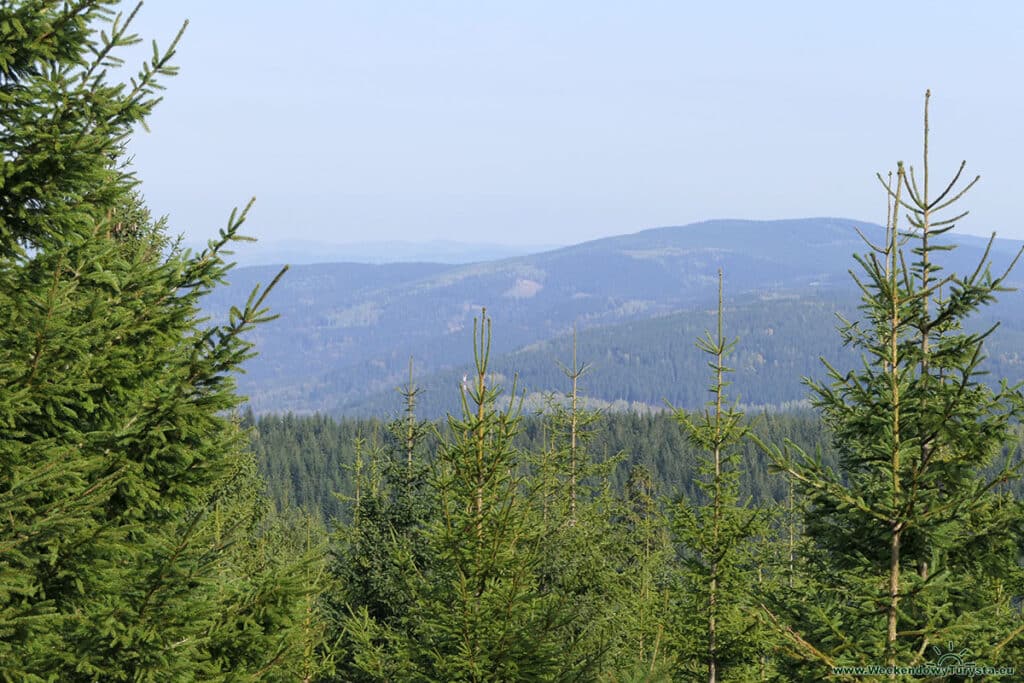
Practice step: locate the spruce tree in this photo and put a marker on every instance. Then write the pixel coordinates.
(119, 455)
(484, 616)
(719, 635)
(376, 555)
(913, 547)
(479, 612)
(589, 560)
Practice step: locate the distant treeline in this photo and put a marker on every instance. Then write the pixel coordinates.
(307, 460)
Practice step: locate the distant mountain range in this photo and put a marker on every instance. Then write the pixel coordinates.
(299, 252)
(348, 330)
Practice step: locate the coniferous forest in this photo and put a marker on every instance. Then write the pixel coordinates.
(154, 529)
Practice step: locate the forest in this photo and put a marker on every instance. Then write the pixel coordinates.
(152, 528)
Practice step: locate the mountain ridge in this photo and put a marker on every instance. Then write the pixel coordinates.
(378, 252)
(347, 330)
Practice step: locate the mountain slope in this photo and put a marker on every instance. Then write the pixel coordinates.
(347, 330)
(648, 364)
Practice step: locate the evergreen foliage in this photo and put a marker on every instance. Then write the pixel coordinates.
(475, 610)
(130, 506)
(594, 548)
(380, 547)
(720, 637)
(644, 652)
(913, 544)
(307, 459)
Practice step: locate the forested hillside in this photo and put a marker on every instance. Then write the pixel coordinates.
(637, 301)
(309, 461)
(641, 365)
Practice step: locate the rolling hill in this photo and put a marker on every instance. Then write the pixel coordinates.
(347, 330)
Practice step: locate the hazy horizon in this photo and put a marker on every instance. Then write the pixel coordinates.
(299, 251)
(531, 122)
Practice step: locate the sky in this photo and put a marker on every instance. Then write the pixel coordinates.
(538, 122)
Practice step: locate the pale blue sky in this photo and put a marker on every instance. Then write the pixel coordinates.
(556, 122)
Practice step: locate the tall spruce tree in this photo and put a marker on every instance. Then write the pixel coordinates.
(377, 555)
(720, 636)
(126, 487)
(481, 613)
(599, 570)
(484, 617)
(913, 548)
